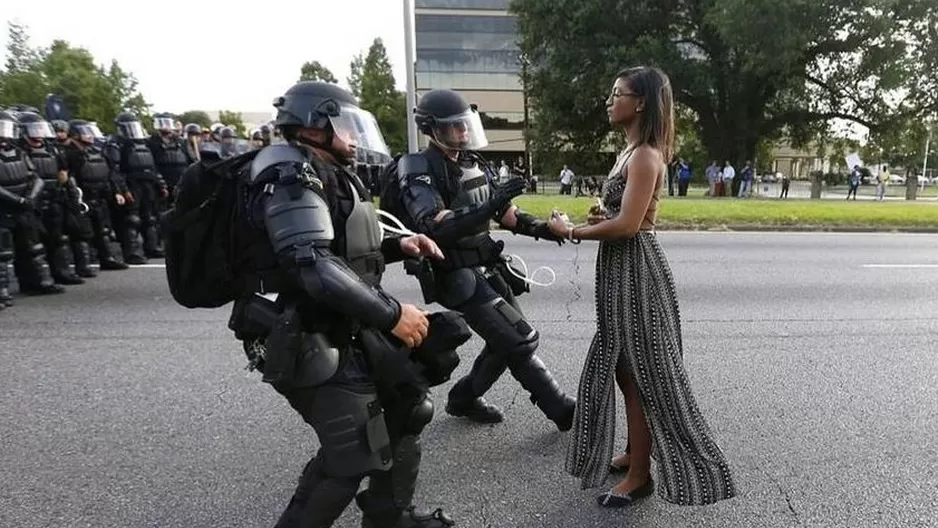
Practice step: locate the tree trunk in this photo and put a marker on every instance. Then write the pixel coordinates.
(911, 185)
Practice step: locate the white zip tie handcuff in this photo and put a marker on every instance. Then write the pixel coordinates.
(398, 228)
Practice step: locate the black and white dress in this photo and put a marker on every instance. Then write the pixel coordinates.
(639, 328)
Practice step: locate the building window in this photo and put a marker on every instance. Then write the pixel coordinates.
(468, 81)
(467, 61)
(505, 25)
(502, 120)
(463, 4)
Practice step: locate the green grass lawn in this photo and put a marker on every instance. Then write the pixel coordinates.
(704, 212)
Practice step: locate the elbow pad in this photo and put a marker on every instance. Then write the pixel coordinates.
(328, 279)
(460, 223)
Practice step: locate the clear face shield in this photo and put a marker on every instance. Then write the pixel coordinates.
(461, 132)
(7, 130)
(164, 124)
(38, 131)
(85, 133)
(358, 127)
(132, 130)
(95, 131)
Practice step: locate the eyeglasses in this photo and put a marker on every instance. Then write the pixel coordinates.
(616, 94)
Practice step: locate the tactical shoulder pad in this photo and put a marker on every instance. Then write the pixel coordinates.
(272, 155)
(414, 167)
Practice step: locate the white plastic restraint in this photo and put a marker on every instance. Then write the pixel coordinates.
(397, 227)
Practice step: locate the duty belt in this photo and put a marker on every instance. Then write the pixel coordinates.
(456, 258)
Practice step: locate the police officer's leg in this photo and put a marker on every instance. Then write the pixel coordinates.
(349, 422)
(56, 241)
(495, 315)
(388, 501)
(80, 232)
(149, 212)
(6, 258)
(129, 233)
(460, 289)
(32, 270)
(103, 237)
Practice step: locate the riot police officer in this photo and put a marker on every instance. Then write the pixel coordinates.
(193, 134)
(61, 131)
(19, 233)
(54, 200)
(143, 187)
(266, 131)
(88, 168)
(229, 142)
(315, 233)
(169, 151)
(449, 193)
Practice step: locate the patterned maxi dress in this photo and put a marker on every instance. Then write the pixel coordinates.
(639, 328)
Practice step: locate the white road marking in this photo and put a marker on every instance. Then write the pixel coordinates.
(900, 266)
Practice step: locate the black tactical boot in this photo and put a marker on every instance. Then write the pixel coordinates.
(6, 300)
(34, 276)
(132, 246)
(82, 252)
(533, 375)
(151, 243)
(60, 266)
(476, 409)
(109, 255)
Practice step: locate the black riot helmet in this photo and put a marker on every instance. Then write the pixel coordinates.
(59, 126)
(450, 121)
(228, 135)
(34, 128)
(193, 129)
(8, 127)
(81, 131)
(129, 127)
(164, 123)
(327, 107)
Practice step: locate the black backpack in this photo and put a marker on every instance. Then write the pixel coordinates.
(199, 233)
(390, 195)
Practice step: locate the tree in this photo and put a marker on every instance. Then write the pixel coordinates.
(748, 69)
(372, 82)
(314, 71)
(195, 116)
(234, 120)
(88, 90)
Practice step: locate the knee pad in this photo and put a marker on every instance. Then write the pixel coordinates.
(36, 250)
(421, 414)
(351, 430)
(522, 339)
(132, 220)
(63, 240)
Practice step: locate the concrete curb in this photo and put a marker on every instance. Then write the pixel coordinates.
(757, 228)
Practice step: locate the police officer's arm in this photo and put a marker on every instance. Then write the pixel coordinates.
(112, 155)
(300, 229)
(521, 222)
(425, 205)
(8, 199)
(62, 166)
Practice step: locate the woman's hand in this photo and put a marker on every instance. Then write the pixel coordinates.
(559, 225)
(594, 219)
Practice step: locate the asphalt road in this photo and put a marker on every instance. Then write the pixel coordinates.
(816, 371)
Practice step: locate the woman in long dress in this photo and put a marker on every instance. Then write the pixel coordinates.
(638, 339)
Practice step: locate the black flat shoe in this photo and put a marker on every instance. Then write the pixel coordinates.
(614, 500)
(618, 470)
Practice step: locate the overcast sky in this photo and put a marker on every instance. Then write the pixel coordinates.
(212, 55)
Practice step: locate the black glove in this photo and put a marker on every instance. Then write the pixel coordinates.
(504, 193)
(26, 204)
(542, 230)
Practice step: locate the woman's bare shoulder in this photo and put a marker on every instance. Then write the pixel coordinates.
(645, 158)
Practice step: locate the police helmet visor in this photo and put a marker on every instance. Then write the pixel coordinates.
(163, 123)
(356, 126)
(95, 131)
(7, 129)
(462, 131)
(132, 130)
(38, 130)
(84, 132)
